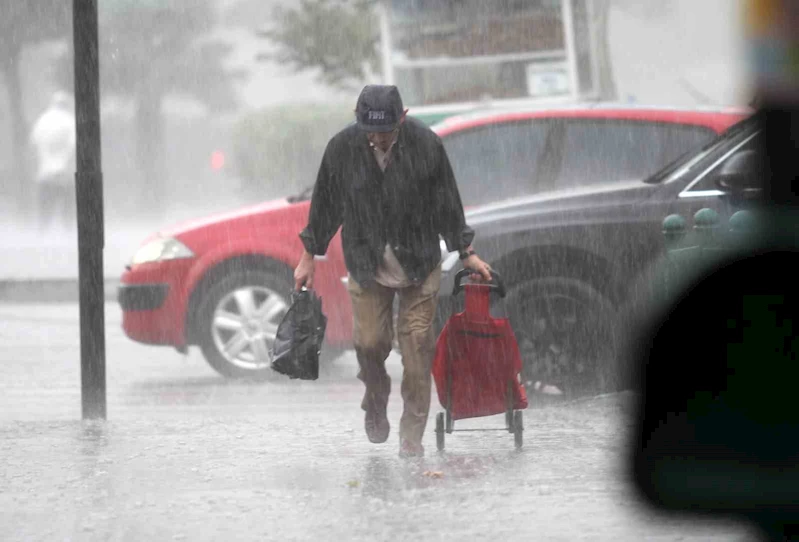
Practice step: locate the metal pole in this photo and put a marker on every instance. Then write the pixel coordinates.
(386, 46)
(567, 14)
(89, 192)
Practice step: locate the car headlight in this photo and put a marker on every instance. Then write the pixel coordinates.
(161, 249)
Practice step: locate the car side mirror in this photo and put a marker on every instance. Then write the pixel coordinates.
(741, 175)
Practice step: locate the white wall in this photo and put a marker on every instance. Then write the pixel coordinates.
(679, 52)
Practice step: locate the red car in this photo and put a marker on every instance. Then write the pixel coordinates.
(223, 282)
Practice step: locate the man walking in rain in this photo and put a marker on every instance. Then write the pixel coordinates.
(53, 137)
(387, 180)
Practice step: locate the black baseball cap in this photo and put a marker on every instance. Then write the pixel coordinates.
(379, 108)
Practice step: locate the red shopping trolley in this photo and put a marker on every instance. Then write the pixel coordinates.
(477, 364)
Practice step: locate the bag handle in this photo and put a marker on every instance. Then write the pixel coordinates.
(496, 283)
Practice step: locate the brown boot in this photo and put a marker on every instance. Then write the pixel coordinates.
(376, 422)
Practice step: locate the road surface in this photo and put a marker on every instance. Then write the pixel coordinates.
(186, 455)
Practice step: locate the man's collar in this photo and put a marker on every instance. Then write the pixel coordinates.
(399, 139)
(390, 147)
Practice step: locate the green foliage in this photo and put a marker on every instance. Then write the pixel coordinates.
(338, 37)
(155, 48)
(24, 23)
(278, 150)
(151, 49)
(31, 22)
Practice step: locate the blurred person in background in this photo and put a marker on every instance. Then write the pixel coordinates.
(388, 181)
(53, 139)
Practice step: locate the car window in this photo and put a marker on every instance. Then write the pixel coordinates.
(498, 161)
(706, 181)
(683, 139)
(601, 151)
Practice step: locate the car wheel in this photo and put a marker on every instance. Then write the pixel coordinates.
(564, 328)
(238, 321)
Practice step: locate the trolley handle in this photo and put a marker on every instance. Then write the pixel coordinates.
(495, 284)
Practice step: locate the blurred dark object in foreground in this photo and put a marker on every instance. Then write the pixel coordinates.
(299, 337)
(781, 128)
(717, 429)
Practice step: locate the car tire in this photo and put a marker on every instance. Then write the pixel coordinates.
(564, 328)
(237, 320)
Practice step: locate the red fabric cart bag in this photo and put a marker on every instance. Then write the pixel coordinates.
(481, 357)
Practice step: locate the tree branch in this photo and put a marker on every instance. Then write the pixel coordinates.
(334, 37)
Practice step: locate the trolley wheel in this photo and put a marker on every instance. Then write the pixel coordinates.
(518, 429)
(440, 431)
(449, 425)
(509, 406)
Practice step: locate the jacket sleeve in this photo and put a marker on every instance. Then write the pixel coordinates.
(327, 204)
(451, 221)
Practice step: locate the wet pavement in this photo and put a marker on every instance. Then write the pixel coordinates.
(186, 455)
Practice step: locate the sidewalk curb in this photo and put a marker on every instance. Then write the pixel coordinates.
(48, 290)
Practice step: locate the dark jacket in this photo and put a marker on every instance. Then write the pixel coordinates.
(408, 206)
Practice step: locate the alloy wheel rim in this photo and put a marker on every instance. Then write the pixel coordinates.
(556, 342)
(244, 326)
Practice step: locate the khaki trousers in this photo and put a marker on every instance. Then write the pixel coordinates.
(373, 333)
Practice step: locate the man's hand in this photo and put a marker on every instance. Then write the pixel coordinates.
(481, 269)
(303, 274)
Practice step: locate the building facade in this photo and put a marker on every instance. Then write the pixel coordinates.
(461, 51)
(676, 52)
